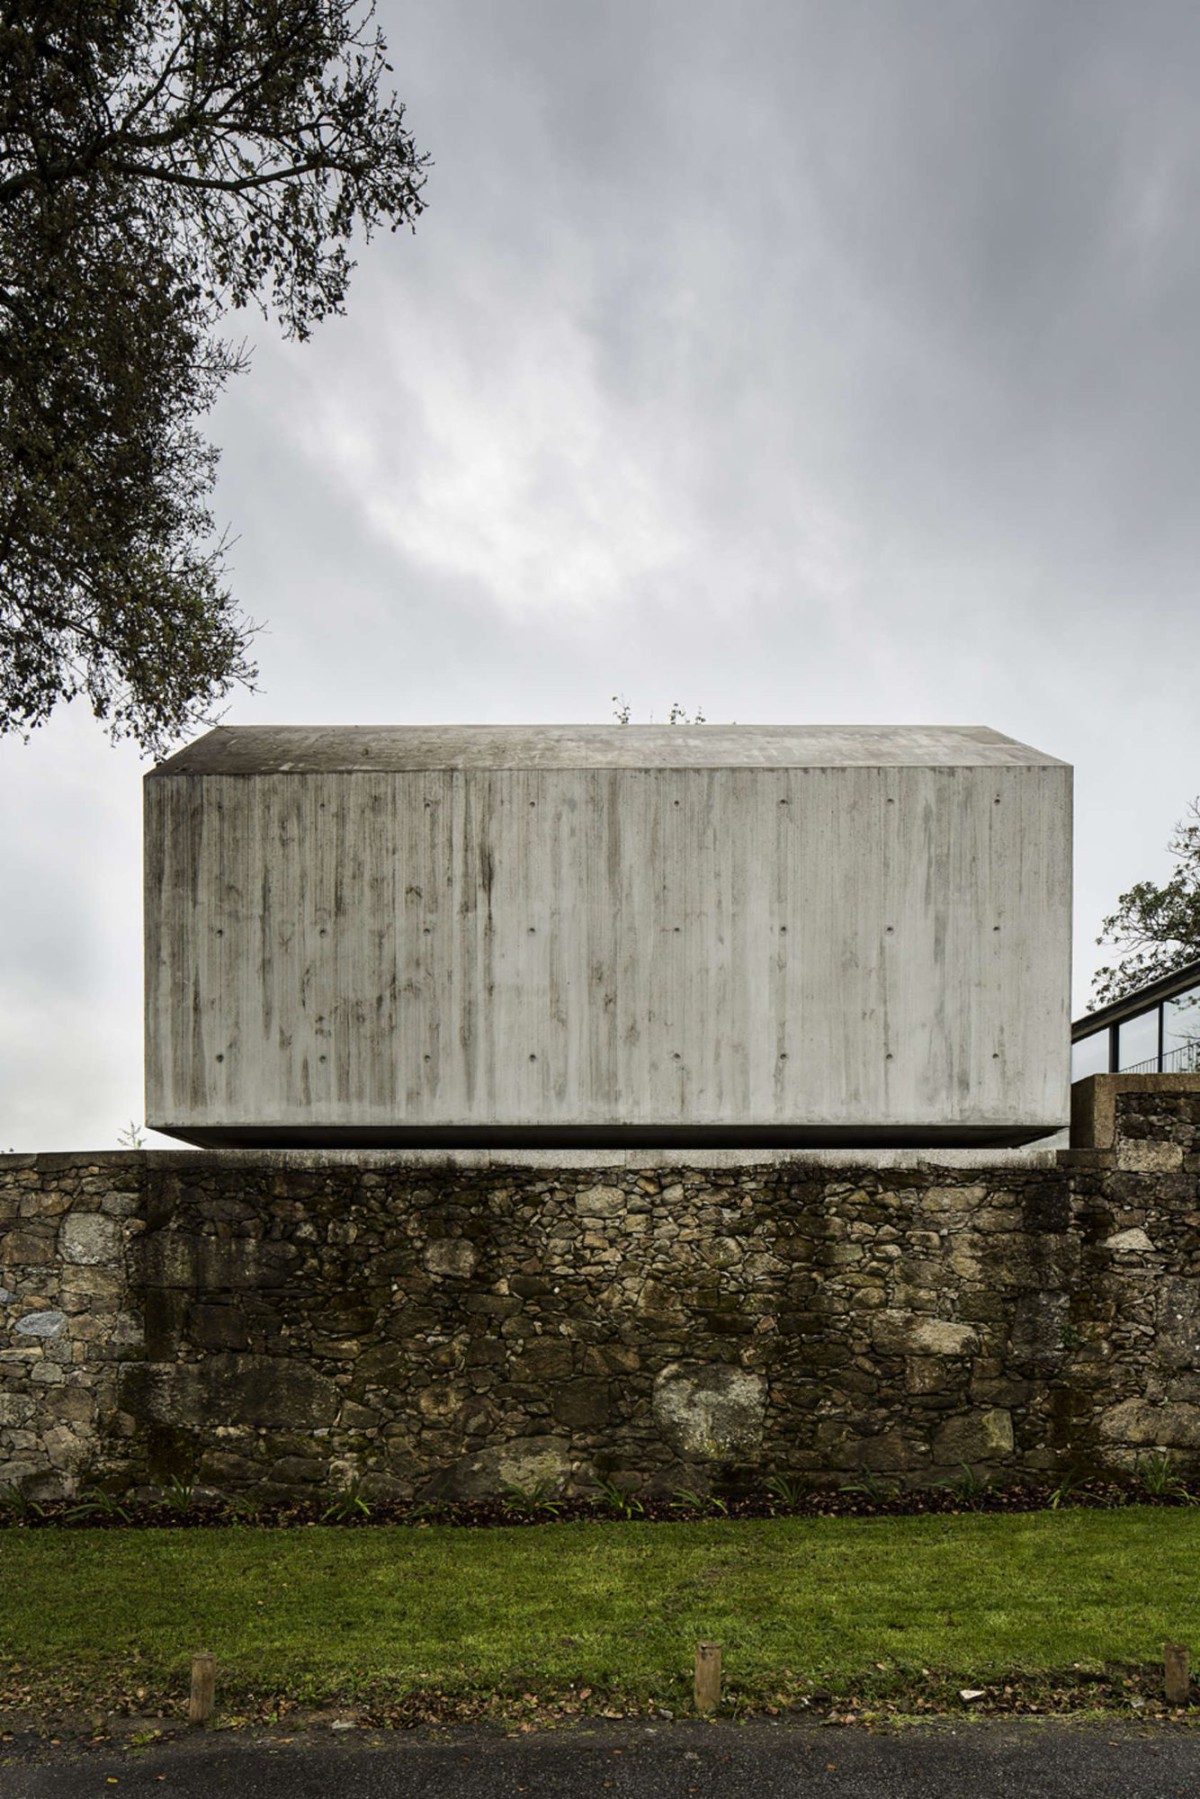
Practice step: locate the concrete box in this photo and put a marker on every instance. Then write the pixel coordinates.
(546, 935)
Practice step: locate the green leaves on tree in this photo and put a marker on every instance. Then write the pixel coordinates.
(1156, 928)
(160, 165)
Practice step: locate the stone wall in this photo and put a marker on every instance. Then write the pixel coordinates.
(274, 1323)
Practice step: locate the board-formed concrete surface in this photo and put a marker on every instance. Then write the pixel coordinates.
(608, 935)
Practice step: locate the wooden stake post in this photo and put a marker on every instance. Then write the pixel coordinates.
(708, 1676)
(1178, 1677)
(204, 1684)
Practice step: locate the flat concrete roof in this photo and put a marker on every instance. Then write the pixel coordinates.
(346, 749)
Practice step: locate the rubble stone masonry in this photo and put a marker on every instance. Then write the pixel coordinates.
(445, 1325)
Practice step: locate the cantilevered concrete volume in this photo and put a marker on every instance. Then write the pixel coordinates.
(695, 936)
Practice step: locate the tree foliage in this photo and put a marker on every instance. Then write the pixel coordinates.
(1157, 928)
(161, 161)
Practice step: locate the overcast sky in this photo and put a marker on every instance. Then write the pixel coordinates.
(814, 362)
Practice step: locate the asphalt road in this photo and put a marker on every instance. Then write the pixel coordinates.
(1023, 1759)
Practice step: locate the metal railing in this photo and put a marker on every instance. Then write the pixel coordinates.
(1184, 1060)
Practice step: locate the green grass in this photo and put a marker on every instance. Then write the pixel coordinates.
(322, 1612)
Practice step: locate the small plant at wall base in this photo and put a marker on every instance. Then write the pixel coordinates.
(96, 1503)
(537, 1501)
(789, 1493)
(348, 1506)
(872, 1488)
(1159, 1478)
(16, 1507)
(1067, 1488)
(699, 1505)
(178, 1495)
(623, 1502)
(970, 1489)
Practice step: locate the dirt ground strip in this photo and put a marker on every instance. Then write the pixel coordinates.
(935, 1759)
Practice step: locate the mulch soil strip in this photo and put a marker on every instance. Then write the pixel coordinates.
(200, 1513)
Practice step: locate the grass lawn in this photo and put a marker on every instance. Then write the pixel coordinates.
(841, 1604)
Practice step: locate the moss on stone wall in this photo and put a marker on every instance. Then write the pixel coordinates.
(279, 1324)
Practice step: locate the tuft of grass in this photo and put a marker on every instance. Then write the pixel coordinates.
(798, 1604)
